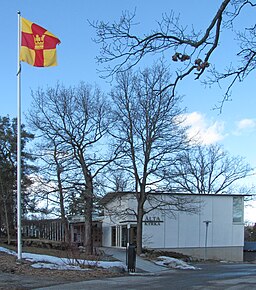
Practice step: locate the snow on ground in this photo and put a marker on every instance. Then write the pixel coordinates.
(174, 263)
(51, 262)
(10, 252)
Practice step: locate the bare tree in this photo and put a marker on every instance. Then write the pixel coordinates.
(54, 182)
(147, 131)
(77, 119)
(208, 169)
(122, 49)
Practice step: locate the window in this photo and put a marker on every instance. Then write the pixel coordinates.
(238, 209)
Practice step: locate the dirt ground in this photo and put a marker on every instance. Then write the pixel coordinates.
(20, 275)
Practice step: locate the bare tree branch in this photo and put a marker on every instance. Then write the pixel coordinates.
(208, 170)
(122, 49)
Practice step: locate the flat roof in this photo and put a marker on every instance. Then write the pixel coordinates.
(111, 195)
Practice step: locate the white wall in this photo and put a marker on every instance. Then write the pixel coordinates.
(106, 232)
(189, 230)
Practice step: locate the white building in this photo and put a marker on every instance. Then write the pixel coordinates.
(212, 229)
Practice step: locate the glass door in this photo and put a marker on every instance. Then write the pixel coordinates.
(124, 236)
(113, 236)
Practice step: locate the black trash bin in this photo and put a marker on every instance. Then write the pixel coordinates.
(131, 257)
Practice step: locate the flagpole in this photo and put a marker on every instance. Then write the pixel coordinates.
(19, 242)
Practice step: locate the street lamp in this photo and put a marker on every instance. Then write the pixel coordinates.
(206, 236)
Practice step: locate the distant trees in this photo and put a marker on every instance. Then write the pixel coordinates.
(8, 172)
(73, 123)
(191, 50)
(250, 233)
(208, 169)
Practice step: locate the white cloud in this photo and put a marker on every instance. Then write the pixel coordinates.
(246, 124)
(203, 131)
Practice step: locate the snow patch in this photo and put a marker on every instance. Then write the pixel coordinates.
(173, 263)
(57, 267)
(10, 252)
(51, 262)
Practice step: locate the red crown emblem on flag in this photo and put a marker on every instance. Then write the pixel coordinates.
(39, 41)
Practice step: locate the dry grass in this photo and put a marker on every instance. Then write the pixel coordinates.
(9, 264)
(47, 247)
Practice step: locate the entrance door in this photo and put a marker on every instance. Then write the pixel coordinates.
(113, 236)
(124, 236)
(120, 235)
(129, 234)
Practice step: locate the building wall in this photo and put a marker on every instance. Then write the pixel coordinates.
(106, 232)
(187, 232)
(234, 254)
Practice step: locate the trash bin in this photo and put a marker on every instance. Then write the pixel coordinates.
(131, 258)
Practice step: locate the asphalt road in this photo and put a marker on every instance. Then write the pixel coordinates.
(210, 276)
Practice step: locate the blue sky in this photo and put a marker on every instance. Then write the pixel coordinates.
(235, 127)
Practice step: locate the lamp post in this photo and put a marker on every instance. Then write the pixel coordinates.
(128, 234)
(206, 236)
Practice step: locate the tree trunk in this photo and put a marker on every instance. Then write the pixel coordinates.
(88, 208)
(7, 223)
(88, 244)
(88, 204)
(139, 227)
(62, 207)
(64, 222)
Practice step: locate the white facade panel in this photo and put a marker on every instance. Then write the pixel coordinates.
(106, 232)
(222, 221)
(189, 230)
(153, 235)
(171, 228)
